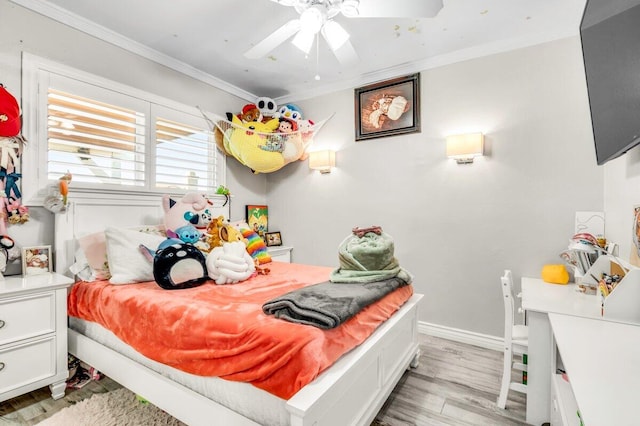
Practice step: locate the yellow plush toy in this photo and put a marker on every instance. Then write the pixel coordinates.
(213, 232)
(254, 146)
(555, 274)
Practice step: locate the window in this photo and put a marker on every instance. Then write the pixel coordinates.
(111, 137)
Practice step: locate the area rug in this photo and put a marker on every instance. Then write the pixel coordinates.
(120, 407)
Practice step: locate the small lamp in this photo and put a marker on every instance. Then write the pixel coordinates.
(322, 160)
(464, 148)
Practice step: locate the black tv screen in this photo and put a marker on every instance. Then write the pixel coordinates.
(610, 35)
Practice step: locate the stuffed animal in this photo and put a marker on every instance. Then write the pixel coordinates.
(212, 235)
(250, 144)
(179, 266)
(191, 209)
(230, 263)
(230, 234)
(267, 107)
(306, 131)
(187, 233)
(289, 111)
(250, 112)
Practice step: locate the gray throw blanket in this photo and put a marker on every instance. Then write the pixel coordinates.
(327, 305)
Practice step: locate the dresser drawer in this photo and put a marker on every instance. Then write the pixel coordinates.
(26, 363)
(27, 316)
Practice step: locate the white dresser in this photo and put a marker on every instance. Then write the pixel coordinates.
(33, 334)
(280, 253)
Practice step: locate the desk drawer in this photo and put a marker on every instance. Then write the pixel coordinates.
(27, 363)
(27, 316)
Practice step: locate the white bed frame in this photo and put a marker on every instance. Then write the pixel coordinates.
(350, 392)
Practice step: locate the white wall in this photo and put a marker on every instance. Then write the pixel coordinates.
(456, 227)
(23, 30)
(621, 194)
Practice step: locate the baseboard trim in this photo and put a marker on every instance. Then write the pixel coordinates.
(463, 336)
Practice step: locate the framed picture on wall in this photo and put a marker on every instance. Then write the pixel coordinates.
(36, 260)
(388, 108)
(273, 239)
(258, 218)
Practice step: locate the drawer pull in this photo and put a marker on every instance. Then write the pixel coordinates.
(1, 366)
(2, 323)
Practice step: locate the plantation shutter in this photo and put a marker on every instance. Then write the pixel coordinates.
(185, 152)
(98, 142)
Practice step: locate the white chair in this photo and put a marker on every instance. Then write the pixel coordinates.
(516, 341)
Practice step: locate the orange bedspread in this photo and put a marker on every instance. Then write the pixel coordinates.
(214, 330)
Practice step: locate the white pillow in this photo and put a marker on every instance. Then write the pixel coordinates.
(126, 263)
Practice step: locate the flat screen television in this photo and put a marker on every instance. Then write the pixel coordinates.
(610, 35)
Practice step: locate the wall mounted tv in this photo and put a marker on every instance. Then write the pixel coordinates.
(610, 34)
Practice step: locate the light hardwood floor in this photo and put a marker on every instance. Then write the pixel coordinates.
(455, 384)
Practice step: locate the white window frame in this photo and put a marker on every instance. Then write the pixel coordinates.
(35, 182)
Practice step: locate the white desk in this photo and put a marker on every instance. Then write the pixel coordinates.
(540, 299)
(601, 360)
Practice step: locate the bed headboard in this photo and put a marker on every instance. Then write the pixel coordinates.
(86, 215)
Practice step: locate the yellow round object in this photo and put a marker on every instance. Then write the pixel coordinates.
(555, 274)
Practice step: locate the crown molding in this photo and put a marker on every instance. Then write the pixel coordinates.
(500, 46)
(298, 94)
(89, 27)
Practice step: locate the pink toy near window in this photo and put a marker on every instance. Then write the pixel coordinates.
(192, 209)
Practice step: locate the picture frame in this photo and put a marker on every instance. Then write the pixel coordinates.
(388, 108)
(258, 218)
(273, 239)
(37, 260)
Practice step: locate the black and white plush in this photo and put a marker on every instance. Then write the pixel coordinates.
(179, 266)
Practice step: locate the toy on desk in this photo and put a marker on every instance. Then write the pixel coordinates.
(555, 274)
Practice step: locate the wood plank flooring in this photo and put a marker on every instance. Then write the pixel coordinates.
(455, 384)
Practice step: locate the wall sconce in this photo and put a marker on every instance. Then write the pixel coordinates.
(322, 160)
(464, 148)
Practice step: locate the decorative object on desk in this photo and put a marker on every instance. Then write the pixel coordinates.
(273, 239)
(590, 223)
(582, 252)
(36, 260)
(555, 274)
(388, 108)
(258, 218)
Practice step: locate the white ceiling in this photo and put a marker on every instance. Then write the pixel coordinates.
(207, 38)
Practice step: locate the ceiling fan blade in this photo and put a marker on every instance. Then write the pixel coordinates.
(399, 8)
(346, 54)
(273, 40)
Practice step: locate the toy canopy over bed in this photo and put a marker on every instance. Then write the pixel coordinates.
(297, 375)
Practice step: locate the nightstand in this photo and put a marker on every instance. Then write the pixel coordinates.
(280, 253)
(33, 334)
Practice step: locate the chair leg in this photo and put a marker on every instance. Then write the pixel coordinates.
(506, 379)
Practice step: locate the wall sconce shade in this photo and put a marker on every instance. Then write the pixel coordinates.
(464, 148)
(322, 160)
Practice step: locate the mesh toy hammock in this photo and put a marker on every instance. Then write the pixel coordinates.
(257, 146)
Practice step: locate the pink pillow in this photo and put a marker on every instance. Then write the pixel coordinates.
(94, 247)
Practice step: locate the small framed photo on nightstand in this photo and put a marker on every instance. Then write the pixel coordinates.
(36, 260)
(273, 239)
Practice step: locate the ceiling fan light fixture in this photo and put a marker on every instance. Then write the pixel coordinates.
(304, 40)
(334, 34)
(349, 8)
(312, 19)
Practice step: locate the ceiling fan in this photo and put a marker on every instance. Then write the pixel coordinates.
(316, 16)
